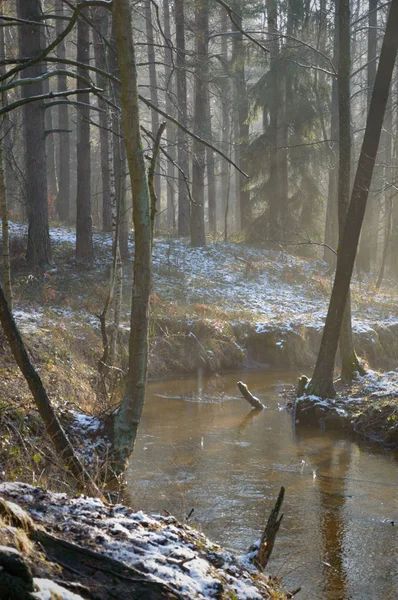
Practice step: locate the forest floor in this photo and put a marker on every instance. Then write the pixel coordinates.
(224, 306)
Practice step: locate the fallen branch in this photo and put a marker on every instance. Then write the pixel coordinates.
(268, 538)
(255, 402)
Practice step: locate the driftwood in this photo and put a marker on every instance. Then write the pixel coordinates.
(255, 402)
(268, 538)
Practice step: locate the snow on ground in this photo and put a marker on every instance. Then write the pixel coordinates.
(157, 545)
(277, 289)
(267, 287)
(377, 385)
(49, 590)
(90, 442)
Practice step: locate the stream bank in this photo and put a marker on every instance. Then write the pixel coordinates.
(80, 548)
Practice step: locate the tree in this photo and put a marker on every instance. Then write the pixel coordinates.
(100, 35)
(84, 221)
(241, 122)
(350, 363)
(152, 79)
(368, 242)
(63, 198)
(183, 199)
(200, 114)
(168, 73)
(30, 43)
(322, 380)
(129, 415)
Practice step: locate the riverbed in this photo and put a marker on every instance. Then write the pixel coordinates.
(203, 455)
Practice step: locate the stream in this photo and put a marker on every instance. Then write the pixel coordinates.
(200, 447)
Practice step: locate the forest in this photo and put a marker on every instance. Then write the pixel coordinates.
(198, 299)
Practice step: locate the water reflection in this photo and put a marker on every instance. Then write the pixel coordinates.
(228, 463)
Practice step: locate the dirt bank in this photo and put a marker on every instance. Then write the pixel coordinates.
(369, 408)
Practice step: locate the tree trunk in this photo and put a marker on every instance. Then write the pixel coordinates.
(3, 192)
(63, 198)
(349, 359)
(389, 192)
(274, 175)
(53, 426)
(119, 157)
(184, 208)
(170, 130)
(152, 81)
(368, 242)
(50, 152)
(322, 380)
(225, 115)
(100, 34)
(129, 415)
(30, 43)
(211, 170)
(331, 222)
(199, 126)
(238, 63)
(84, 221)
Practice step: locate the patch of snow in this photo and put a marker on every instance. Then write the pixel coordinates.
(158, 545)
(49, 590)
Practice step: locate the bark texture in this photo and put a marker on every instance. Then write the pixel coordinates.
(30, 43)
(200, 113)
(184, 208)
(129, 415)
(63, 198)
(84, 221)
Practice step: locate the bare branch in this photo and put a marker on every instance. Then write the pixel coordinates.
(22, 101)
(231, 14)
(42, 55)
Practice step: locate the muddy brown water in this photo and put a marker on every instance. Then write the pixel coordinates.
(201, 448)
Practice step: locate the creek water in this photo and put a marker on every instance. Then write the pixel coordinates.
(200, 447)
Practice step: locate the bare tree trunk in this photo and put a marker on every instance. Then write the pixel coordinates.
(322, 380)
(3, 193)
(274, 175)
(30, 43)
(50, 152)
(199, 151)
(63, 198)
(119, 158)
(152, 81)
(84, 221)
(349, 359)
(211, 170)
(101, 21)
(170, 130)
(129, 415)
(238, 64)
(225, 112)
(5, 235)
(368, 242)
(184, 209)
(389, 192)
(47, 413)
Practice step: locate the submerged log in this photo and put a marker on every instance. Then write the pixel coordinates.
(255, 402)
(268, 538)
